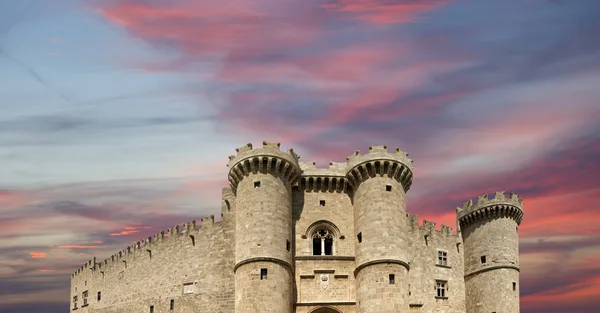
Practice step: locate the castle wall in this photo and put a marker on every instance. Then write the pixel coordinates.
(496, 239)
(323, 279)
(263, 230)
(380, 219)
(394, 267)
(136, 279)
(424, 243)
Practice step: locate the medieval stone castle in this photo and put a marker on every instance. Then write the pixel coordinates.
(297, 238)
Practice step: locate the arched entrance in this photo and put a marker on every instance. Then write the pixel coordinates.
(325, 310)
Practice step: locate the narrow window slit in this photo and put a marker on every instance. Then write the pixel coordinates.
(263, 274)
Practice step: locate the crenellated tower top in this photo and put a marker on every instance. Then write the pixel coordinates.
(499, 205)
(379, 161)
(268, 159)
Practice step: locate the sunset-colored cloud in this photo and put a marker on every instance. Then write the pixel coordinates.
(47, 271)
(129, 230)
(384, 12)
(138, 122)
(37, 255)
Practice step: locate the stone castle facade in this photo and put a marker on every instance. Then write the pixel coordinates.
(295, 238)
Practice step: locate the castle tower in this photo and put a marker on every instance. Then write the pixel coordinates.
(489, 229)
(380, 180)
(262, 180)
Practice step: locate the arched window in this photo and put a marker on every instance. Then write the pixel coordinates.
(321, 235)
(322, 242)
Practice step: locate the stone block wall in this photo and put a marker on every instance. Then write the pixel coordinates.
(425, 270)
(191, 267)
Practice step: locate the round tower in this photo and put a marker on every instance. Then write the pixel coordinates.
(380, 180)
(262, 180)
(489, 229)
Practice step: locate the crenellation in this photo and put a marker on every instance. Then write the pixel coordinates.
(298, 238)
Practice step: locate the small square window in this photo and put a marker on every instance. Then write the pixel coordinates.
(256, 184)
(322, 203)
(359, 237)
(263, 274)
(388, 187)
(483, 259)
(288, 245)
(188, 288)
(392, 279)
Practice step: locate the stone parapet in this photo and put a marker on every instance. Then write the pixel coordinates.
(379, 161)
(484, 208)
(268, 159)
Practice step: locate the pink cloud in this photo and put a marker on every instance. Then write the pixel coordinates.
(37, 255)
(384, 12)
(56, 40)
(47, 271)
(129, 230)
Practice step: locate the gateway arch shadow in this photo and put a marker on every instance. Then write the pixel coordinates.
(325, 310)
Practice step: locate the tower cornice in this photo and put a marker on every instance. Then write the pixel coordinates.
(485, 208)
(268, 159)
(379, 161)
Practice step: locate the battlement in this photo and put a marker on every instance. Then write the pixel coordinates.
(428, 228)
(190, 229)
(334, 169)
(323, 179)
(268, 159)
(379, 161)
(485, 207)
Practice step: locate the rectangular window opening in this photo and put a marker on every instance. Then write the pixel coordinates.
(483, 259)
(388, 187)
(322, 203)
(256, 184)
(172, 306)
(263, 274)
(75, 302)
(359, 237)
(151, 309)
(514, 286)
(441, 287)
(85, 298)
(99, 295)
(288, 245)
(442, 258)
(392, 279)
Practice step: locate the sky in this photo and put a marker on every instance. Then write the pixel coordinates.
(117, 118)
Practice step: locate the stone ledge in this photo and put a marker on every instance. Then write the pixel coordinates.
(441, 298)
(327, 303)
(389, 261)
(325, 257)
(307, 276)
(493, 268)
(263, 259)
(444, 266)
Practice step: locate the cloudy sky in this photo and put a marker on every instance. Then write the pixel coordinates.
(117, 117)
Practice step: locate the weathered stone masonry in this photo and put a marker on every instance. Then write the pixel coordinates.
(297, 238)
